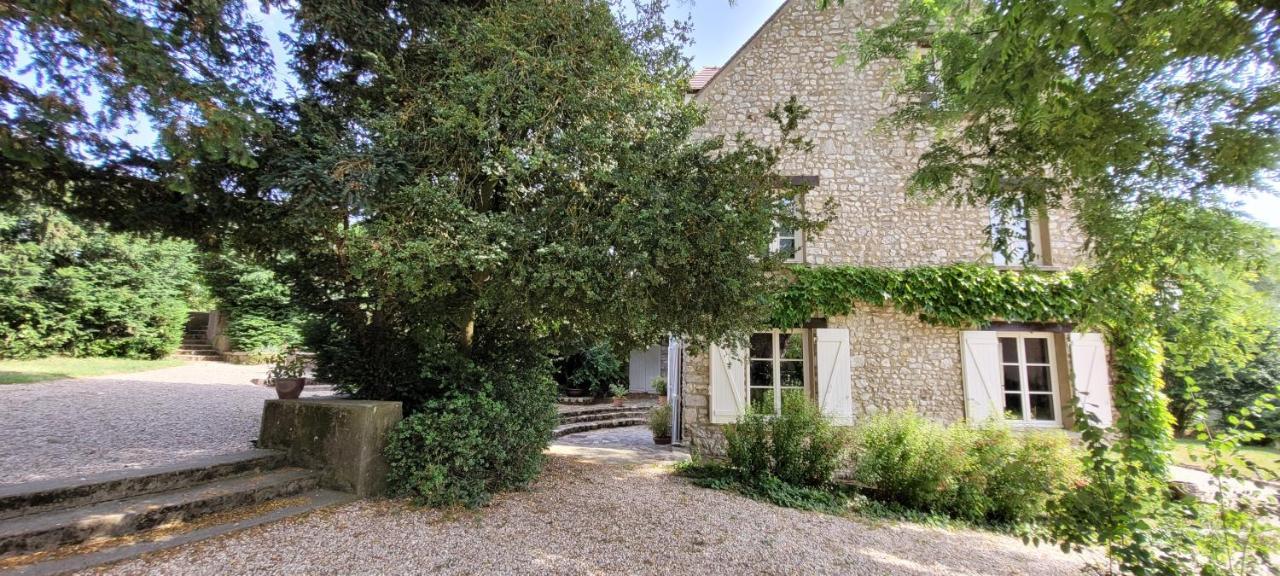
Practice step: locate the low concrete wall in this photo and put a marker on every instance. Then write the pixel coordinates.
(342, 439)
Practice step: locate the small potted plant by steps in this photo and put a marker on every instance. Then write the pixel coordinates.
(659, 386)
(286, 375)
(619, 393)
(660, 424)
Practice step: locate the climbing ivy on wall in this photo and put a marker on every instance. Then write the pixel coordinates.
(961, 295)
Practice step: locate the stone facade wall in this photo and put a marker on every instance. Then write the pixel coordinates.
(898, 362)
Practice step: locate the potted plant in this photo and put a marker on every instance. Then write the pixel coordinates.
(286, 375)
(659, 385)
(619, 393)
(660, 424)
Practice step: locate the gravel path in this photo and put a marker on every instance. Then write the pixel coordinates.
(70, 428)
(586, 517)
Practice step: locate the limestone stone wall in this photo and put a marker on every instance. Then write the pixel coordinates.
(898, 362)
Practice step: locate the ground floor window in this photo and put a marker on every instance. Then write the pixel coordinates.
(778, 364)
(1030, 383)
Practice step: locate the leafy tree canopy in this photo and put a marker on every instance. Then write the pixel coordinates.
(79, 76)
(1141, 117)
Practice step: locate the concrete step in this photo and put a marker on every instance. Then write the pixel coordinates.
(49, 531)
(604, 409)
(574, 418)
(566, 429)
(196, 352)
(43, 496)
(78, 558)
(201, 346)
(185, 358)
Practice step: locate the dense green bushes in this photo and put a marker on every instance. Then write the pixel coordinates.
(68, 288)
(900, 464)
(260, 315)
(593, 368)
(469, 444)
(987, 475)
(798, 447)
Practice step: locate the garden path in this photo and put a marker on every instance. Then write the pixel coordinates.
(591, 513)
(71, 428)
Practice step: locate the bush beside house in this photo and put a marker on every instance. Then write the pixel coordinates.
(78, 289)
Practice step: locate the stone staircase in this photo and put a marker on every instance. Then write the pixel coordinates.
(61, 526)
(195, 340)
(587, 419)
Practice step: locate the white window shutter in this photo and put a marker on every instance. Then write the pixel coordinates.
(831, 356)
(728, 384)
(1092, 378)
(983, 392)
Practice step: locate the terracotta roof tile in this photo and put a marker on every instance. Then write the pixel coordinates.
(702, 77)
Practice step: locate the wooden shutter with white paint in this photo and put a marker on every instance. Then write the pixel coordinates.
(831, 357)
(728, 384)
(1092, 379)
(983, 392)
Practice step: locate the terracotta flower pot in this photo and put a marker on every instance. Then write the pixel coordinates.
(662, 400)
(662, 440)
(617, 402)
(289, 388)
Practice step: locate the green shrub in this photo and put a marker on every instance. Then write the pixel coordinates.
(594, 368)
(261, 316)
(989, 475)
(68, 288)
(905, 458)
(798, 447)
(660, 421)
(472, 442)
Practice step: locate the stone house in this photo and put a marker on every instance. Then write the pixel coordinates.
(875, 359)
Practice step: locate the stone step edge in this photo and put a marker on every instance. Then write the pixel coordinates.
(578, 418)
(18, 500)
(312, 500)
(605, 409)
(568, 429)
(30, 534)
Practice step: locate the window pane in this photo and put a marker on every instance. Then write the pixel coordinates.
(1037, 350)
(1012, 378)
(792, 373)
(762, 400)
(1009, 350)
(762, 345)
(1041, 406)
(1038, 379)
(761, 373)
(787, 247)
(1013, 405)
(792, 346)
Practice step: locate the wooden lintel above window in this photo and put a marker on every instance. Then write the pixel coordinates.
(810, 181)
(1053, 327)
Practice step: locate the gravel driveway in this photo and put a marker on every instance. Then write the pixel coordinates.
(69, 428)
(585, 516)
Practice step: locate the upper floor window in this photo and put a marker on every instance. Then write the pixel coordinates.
(1016, 237)
(788, 242)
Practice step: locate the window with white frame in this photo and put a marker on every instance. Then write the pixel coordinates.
(1014, 237)
(1030, 383)
(778, 363)
(787, 241)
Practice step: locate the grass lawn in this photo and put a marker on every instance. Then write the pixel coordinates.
(58, 367)
(1268, 458)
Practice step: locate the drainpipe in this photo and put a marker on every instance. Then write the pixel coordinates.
(674, 357)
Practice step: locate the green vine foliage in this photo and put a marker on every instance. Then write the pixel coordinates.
(960, 295)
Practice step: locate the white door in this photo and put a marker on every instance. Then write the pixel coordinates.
(645, 365)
